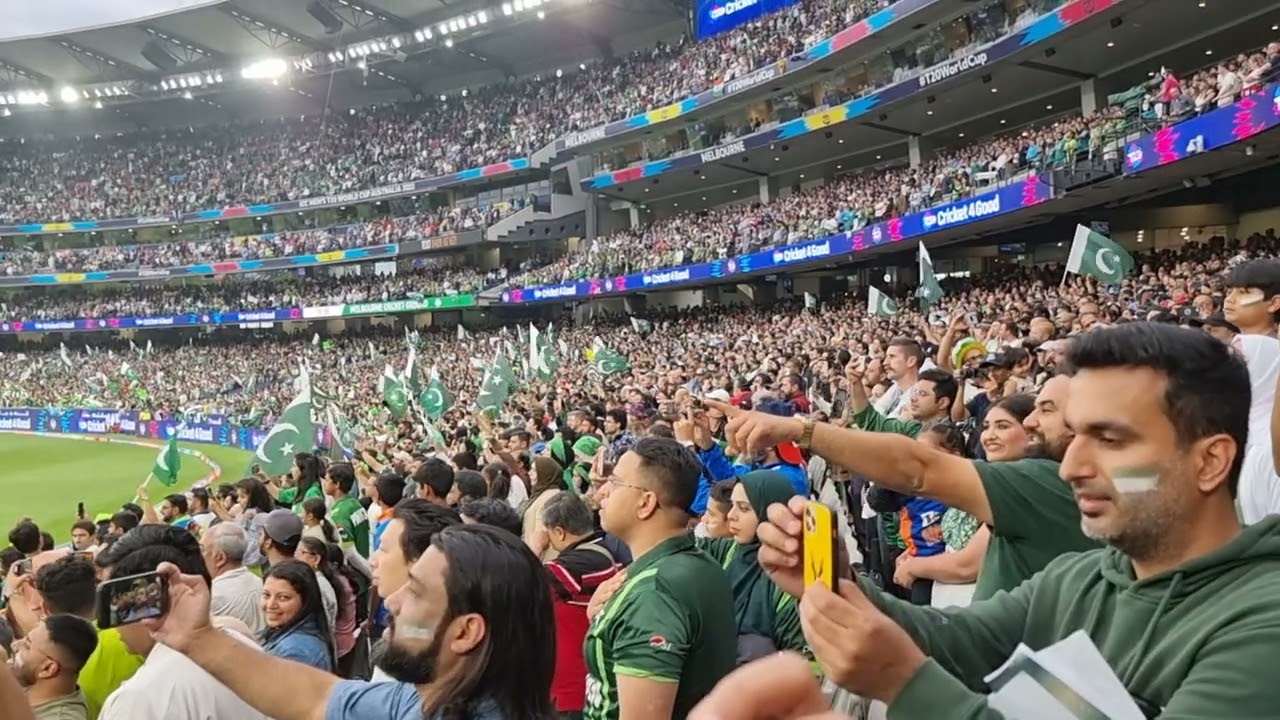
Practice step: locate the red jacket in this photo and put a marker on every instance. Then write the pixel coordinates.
(575, 575)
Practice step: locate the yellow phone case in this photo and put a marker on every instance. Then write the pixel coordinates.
(819, 545)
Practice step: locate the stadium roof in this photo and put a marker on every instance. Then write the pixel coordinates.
(356, 52)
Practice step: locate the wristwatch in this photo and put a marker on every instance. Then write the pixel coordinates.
(806, 435)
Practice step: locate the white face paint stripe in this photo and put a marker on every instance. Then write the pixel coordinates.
(1135, 480)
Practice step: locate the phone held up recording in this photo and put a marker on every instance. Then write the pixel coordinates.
(130, 599)
(819, 545)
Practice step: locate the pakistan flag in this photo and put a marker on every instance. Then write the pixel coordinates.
(291, 434)
(1098, 256)
(499, 381)
(608, 362)
(435, 400)
(881, 305)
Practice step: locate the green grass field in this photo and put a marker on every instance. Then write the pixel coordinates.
(45, 476)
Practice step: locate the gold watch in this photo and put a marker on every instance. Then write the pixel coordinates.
(806, 435)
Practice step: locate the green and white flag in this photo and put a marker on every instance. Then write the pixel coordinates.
(168, 462)
(930, 292)
(880, 304)
(608, 362)
(412, 383)
(394, 395)
(291, 434)
(497, 384)
(542, 358)
(62, 352)
(435, 400)
(1097, 255)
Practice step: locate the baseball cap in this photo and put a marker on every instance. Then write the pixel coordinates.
(789, 452)
(998, 359)
(283, 526)
(718, 394)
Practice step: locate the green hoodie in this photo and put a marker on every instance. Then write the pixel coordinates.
(1196, 641)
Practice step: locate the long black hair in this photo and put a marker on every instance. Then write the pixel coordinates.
(315, 508)
(498, 476)
(309, 472)
(303, 580)
(259, 498)
(320, 549)
(492, 573)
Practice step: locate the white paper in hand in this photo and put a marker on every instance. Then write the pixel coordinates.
(1068, 680)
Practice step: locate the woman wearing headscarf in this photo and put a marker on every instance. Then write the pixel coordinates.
(547, 482)
(768, 619)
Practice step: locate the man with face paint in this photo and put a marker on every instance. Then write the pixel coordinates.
(473, 637)
(1181, 604)
(1253, 296)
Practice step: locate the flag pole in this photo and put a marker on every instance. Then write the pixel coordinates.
(146, 482)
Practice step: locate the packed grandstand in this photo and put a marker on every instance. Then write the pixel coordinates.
(590, 322)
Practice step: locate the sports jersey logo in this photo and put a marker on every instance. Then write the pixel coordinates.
(657, 642)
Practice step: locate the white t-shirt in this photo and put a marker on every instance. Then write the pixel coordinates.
(169, 686)
(238, 594)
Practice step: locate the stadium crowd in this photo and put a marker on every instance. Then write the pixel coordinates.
(670, 479)
(166, 172)
(237, 292)
(451, 219)
(623, 533)
(848, 203)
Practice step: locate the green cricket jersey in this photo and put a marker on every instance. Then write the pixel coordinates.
(352, 523)
(671, 621)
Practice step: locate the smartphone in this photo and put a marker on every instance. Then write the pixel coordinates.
(819, 545)
(83, 555)
(22, 567)
(126, 600)
(80, 511)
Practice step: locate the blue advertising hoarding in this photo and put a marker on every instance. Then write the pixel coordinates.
(1011, 198)
(1047, 26)
(712, 17)
(83, 421)
(1249, 116)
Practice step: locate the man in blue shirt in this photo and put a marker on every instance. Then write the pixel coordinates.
(473, 633)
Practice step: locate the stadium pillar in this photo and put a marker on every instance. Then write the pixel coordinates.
(914, 153)
(768, 188)
(1088, 97)
(633, 212)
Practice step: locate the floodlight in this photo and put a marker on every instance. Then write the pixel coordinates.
(506, 8)
(268, 68)
(69, 95)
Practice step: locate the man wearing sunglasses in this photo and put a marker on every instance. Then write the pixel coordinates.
(47, 663)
